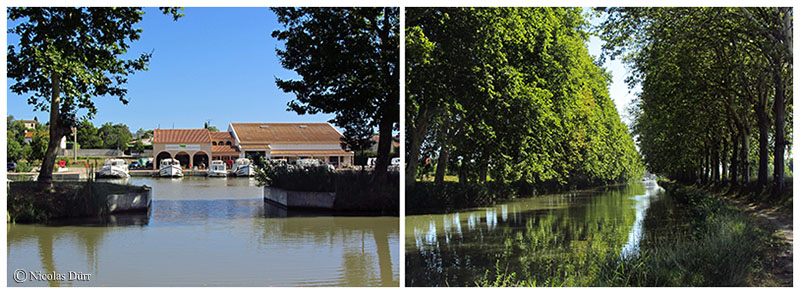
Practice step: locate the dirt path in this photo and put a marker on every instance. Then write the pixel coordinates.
(781, 220)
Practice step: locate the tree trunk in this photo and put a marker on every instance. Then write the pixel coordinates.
(745, 160)
(779, 110)
(483, 172)
(417, 134)
(724, 157)
(462, 174)
(763, 149)
(706, 170)
(715, 162)
(46, 170)
(384, 147)
(734, 170)
(441, 165)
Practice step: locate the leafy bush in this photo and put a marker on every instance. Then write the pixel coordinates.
(280, 174)
(358, 191)
(23, 167)
(355, 191)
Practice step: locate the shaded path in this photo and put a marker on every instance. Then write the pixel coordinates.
(782, 267)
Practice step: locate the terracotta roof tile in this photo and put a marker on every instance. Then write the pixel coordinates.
(267, 133)
(221, 136)
(181, 136)
(224, 150)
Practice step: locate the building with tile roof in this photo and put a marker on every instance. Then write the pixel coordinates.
(287, 141)
(290, 141)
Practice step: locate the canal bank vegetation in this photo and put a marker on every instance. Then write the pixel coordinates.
(35, 202)
(691, 238)
(510, 94)
(356, 191)
(714, 107)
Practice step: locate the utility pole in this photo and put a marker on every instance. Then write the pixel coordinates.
(75, 143)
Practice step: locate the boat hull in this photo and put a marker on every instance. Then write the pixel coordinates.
(214, 173)
(112, 173)
(170, 171)
(245, 171)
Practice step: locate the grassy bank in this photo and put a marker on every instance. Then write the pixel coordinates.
(32, 202)
(692, 238)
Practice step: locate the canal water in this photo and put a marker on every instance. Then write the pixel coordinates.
(527, 237)
(209, 232)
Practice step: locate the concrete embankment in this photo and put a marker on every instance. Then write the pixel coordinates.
(37, 202)
(300, 199)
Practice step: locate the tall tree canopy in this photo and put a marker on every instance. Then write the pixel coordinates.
(714, 81)
(347, 60)
(511, 93)
(66, 56)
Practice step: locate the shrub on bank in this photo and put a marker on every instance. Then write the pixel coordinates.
(358, 191)
(280, 174)
(23, 167)
(355, 190)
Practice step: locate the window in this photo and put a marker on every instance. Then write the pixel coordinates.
(214, 143)
(228, 143)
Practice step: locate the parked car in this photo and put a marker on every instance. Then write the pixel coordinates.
(11, 166)
(135, 165)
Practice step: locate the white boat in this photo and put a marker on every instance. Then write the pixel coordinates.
(170, 168)
(217, 169)
(113, 168)
(243, 168)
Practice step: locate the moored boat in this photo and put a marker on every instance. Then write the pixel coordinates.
(243, 168)
(217, 169)
(170, 168)
(113, 168)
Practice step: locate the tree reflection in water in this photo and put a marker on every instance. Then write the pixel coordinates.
(553, 240)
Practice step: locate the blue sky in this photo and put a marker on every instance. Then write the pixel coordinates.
(618, 89)
(215, 64)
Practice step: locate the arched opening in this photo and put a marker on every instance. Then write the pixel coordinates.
(183, 157)
(228, 143)
(221, 143)
(213, 143)
(200, 160)
(161, 155)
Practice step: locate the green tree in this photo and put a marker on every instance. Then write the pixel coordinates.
(68, 55)
(39, 145)
(88, 135)
(115, 136)
(347, 60)
(714, 80)
(209, 127)
(14, 148)
(512, 93)
(138, 147)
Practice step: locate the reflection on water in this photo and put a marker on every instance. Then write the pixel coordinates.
(190, 238)
(529, 235)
